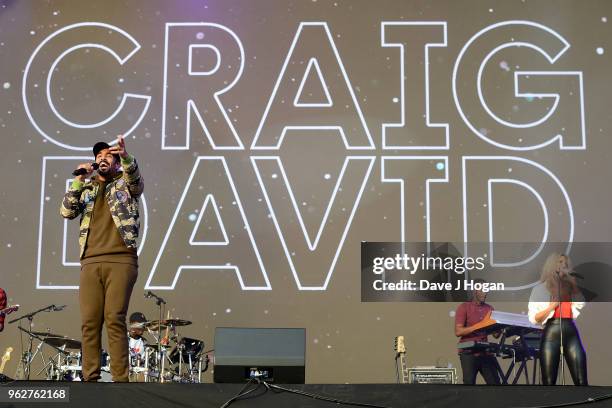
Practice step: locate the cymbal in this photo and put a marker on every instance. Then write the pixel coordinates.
(156, 324)
(60, 342)
(47, 334)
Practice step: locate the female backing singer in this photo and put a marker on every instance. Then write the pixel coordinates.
(554, 303)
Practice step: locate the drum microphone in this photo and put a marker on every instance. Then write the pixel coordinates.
(82, 171)
(55, 308)
(148, 294)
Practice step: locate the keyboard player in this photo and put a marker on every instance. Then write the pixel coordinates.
(475, 361)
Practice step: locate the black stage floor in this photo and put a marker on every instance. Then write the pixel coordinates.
(109, 395)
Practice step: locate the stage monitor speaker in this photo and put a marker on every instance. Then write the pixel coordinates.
(432, 375)
(273, 355)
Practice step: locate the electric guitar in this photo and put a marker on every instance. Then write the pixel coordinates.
(400, 358)
(5, 358)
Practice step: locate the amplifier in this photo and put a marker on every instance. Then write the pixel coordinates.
(432, 375)
(271, 354)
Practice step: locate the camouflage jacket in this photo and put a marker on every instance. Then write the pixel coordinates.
(122, 195)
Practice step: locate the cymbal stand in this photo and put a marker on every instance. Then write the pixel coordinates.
(29, 356)
(191, 374)
(61, 352)
(30, 316)
(561, 351)
(180, 348)
(199, 371)
(146, 365)
(161, 303)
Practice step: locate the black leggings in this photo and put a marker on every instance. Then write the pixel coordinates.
(550, 352)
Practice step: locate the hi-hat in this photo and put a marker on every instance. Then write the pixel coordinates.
(156, 324)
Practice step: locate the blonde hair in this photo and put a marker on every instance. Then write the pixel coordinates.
(550, 278)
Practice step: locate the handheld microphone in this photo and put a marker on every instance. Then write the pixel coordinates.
(570, 273)
(55, 308)
(82, 171)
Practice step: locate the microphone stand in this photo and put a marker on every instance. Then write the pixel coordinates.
(30, 317)
(160, 303)
(562, 354)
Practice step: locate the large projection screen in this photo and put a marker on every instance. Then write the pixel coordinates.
(274, 137)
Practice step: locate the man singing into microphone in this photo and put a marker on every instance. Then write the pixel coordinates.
(108, 205)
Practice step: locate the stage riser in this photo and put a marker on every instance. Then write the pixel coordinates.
(115, 395)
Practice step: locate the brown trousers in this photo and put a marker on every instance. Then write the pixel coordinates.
(104, 296)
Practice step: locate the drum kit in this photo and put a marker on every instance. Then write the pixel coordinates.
(169, 358)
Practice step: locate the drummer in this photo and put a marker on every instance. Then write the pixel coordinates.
(136, 326)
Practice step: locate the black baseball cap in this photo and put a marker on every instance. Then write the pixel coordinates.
(100, 146)
(137, 317)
